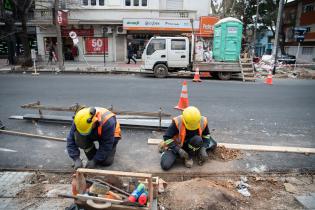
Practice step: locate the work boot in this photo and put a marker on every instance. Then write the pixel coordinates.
(189, 162)
(202, 155)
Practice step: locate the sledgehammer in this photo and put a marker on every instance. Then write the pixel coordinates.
(17, 133)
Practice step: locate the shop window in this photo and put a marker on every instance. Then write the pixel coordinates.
(93, 2)
(178, 44)
(136, 3)
(307, 50)
(155, 44)
(85, 2)
(101, 2)
(144, 3)
(127, 2)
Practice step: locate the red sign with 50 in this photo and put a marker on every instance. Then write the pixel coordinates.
(96, 45)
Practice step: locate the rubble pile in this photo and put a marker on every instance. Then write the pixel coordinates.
(283, 70)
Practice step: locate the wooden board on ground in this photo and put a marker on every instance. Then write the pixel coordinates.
(252, 147)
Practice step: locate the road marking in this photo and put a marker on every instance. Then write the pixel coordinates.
(7, 150)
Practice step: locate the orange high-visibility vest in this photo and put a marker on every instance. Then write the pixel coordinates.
(102, 116)
(180, 137)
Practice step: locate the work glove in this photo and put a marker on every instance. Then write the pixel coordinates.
(77, 163)
(90, 164)
(202, 155)
(189, 163)
(183, 154)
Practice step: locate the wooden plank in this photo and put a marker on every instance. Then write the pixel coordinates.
(154, 141)
(252, 147)
(265, 148)
(116, 173)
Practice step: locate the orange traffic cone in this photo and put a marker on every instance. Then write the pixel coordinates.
(183, 102)
(268, 80)
(197, 76)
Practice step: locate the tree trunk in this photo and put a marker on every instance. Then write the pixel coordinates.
(27, 61)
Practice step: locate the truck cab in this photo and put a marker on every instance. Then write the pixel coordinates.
(164, 54)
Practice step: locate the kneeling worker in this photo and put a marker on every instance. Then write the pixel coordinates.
(89, 125)
(187, 136)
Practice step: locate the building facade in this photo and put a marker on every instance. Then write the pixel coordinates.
(300, 13)
(107, 26)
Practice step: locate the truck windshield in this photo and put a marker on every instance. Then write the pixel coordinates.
(154, 45)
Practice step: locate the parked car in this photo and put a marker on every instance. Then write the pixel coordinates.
(286, 59)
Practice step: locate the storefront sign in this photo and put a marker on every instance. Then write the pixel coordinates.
(62, 18)
(79, 32)
(157, 24)
(207, 24)
(96, 45)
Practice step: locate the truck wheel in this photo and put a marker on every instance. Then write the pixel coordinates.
(224, 75)
(160, 71)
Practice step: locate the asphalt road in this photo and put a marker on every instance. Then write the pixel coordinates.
(251, 113)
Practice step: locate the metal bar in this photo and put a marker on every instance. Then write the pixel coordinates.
(125, 123)
(32, 135)
(75, 107)
(111, 186)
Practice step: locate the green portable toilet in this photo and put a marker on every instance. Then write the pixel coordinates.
(227, 39)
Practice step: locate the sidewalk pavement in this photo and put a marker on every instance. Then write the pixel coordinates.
(76, 67)
(17, 192)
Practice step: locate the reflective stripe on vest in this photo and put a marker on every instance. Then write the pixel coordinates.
(102, 116)
(180, 138)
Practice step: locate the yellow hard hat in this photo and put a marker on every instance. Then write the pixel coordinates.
(84, 120)
(191, 118)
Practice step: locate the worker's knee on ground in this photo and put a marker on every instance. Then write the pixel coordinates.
(167, 160)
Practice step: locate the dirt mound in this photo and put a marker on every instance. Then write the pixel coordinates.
(199, 194)
(225, 154)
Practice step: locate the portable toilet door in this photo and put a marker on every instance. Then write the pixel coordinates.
(233, 40)
(230, 39)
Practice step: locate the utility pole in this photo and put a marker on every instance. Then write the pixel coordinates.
(275, 45)
(255, 29)
(59, 39)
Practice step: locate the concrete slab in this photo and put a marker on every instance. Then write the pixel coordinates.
(12, 182)
(307, 201)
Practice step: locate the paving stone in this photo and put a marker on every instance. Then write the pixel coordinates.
(307, 201)
(289, 188)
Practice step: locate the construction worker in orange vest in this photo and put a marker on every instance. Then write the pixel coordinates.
(187, 136)
(90, 125)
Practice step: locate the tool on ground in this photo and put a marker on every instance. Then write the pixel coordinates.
(136, 193)
(197, 76)
(268, 80)
(183, 100)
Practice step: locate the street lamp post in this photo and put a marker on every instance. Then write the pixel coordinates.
(104, 36)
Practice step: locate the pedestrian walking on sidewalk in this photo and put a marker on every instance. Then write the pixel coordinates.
(187, 136)
(90, 125)
(130, 53)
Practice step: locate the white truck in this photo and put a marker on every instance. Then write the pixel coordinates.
(171, 54)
